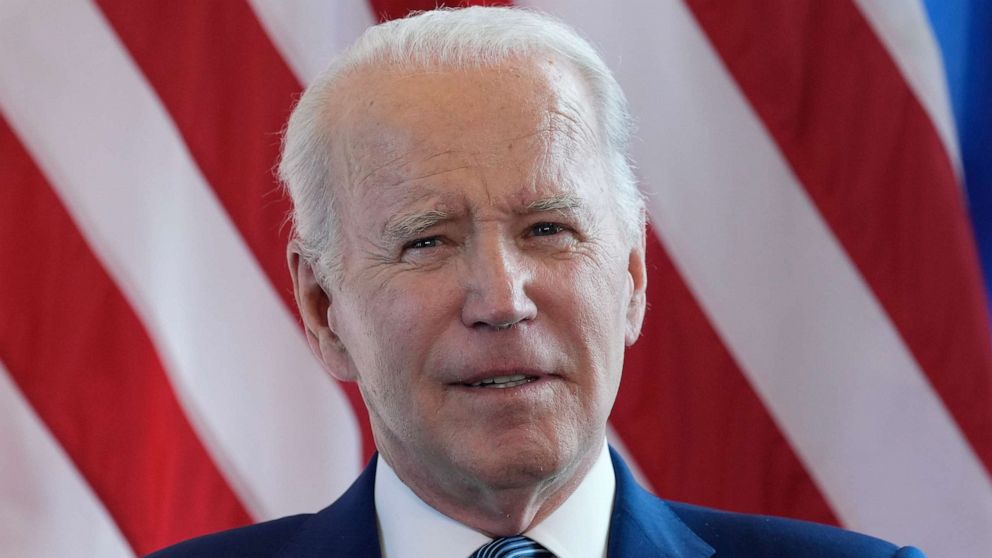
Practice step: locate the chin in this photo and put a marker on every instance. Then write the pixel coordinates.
(520, 462)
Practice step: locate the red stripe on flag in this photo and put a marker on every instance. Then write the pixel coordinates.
(230, 93)
(386, 10)
(697, 429)
(870, 158)
(102, 390)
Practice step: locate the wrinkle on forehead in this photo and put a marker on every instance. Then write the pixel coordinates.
(567, 118)
(553, 152)
(401, 130)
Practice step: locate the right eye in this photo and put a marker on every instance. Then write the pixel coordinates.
(423, 243)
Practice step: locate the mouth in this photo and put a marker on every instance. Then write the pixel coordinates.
(502, 382)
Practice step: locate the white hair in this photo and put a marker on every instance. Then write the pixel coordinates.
(452, 38)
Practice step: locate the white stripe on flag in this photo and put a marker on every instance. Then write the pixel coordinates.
(46, 507)
(309, 32)
(905, 31)
(783, 295)
(279, 429)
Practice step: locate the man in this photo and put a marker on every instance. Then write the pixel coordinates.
(469, 249)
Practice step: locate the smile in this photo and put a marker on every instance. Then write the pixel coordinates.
(503, 382)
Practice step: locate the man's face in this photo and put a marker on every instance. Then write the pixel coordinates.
(487, 290)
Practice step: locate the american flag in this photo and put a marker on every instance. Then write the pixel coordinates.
(816, 345)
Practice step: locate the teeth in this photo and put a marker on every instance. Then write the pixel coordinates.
(504, 381)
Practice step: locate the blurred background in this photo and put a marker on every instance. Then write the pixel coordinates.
(819, 183)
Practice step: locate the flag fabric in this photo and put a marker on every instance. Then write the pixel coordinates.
(816, 345)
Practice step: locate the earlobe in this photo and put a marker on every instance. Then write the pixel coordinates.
(315, 305)
(638, 281)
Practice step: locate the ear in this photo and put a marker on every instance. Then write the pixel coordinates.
(315, 305)
(638, 278)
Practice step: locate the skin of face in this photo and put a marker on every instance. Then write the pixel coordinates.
(478, 240)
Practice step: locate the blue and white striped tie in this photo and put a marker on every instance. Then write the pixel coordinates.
(512, 547)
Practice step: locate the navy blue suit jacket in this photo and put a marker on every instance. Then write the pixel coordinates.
(641, 526)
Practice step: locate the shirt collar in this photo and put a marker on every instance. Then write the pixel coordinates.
(579, 528)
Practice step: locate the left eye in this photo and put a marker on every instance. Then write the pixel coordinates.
(546, 229)
(421, 243)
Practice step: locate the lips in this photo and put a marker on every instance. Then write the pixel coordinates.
(502, 382)
(501, 377)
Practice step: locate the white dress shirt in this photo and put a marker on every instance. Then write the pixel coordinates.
(409, 528)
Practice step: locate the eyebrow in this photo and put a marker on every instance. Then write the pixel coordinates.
(409, 225)
(563, 203)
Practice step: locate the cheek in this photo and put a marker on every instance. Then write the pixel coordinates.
(382, 347)
(596, 301)
(594, 313)
(400, 324)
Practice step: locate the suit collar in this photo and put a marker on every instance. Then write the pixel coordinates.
(641, 524)
(346, 528)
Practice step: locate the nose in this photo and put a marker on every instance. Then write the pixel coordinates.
(496, 291)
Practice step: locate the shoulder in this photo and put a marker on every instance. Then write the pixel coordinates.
(345, 528)
(736, 534)
(261, 539)
(641, 520)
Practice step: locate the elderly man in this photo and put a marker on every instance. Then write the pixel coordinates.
(469, 248)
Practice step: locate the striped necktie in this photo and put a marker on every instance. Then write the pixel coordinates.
(512, 547)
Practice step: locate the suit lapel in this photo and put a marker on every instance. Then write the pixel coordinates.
(346, 528)
(643, 525)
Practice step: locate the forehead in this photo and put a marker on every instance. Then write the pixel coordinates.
(400, 99)
(527, 121)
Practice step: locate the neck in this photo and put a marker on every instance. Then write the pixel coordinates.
(496, 510)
